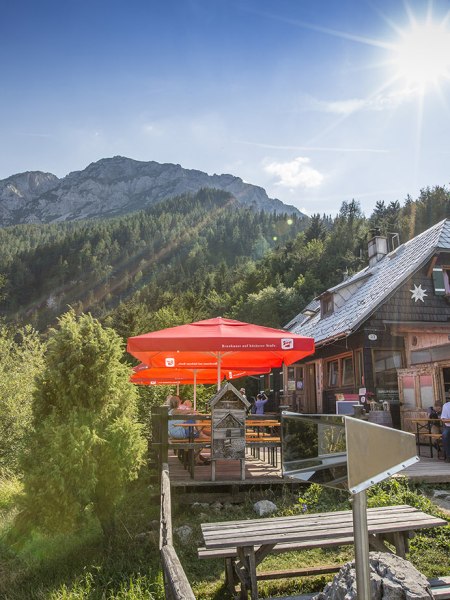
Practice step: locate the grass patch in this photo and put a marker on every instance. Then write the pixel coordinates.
(10, 487)
(428, 549)
(81, 567)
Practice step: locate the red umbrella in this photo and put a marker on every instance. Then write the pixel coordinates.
(222, 344)
(143, 371)
(145, 375)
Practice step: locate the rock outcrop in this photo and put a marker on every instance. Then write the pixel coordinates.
(391, 578)
(115, 186)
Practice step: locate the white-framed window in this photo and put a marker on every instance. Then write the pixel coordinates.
(295, 378)
(340, 372)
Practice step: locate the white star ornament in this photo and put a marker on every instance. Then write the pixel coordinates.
(418, 293)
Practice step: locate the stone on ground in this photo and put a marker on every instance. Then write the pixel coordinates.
(264, 507)
(391, 578)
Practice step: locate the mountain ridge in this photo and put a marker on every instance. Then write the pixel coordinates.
(114, 186)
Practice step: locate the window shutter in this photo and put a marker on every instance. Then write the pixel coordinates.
(438, 281)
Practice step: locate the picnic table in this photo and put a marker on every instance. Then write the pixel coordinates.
(244, 544)
(260, 435)
(263, 435)
(191, 445)
(424, 430)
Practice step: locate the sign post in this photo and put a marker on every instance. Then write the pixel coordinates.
(346, 453)
(361, 539)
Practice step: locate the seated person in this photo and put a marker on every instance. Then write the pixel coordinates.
(433, 413)
(179, 433)
(175, 431)
(186, 406)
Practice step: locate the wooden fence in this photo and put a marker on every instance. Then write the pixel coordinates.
(176, 584)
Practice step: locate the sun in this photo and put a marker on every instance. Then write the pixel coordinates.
(421, 57)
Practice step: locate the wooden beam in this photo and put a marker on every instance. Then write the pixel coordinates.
(175, 577)
(306, 572)
(165, 531)
(431, 267)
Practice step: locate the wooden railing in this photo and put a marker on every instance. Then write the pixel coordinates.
(160, 436)
(176, 584)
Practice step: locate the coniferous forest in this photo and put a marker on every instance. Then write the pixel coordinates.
(193, 257)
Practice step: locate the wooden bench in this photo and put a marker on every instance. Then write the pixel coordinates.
(244, 544)
(267, 444)
(188, 450)
(440, 587)
(424, 433)
(435, 441)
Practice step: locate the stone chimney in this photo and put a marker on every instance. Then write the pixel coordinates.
(377, 249)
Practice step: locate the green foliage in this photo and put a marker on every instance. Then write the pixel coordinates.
(173, 253)
(429, 547)
(194, 257)
(396, 491)
(84, 588)
(270, 306)
(86, 443)
(21, 359)
(80, 565)
(10, 488)
(317, 498)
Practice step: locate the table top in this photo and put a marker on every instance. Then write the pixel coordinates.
(267, 423)
(314, 530)
(196, 424)
(425, 420)
(247, 424)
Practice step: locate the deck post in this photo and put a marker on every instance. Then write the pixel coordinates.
(160, 434)
(361, 540)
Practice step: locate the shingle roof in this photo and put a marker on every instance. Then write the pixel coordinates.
(382, 280)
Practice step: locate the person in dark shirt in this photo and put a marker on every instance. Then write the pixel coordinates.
(445, 414)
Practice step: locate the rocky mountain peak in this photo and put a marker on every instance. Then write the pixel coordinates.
(114, 186)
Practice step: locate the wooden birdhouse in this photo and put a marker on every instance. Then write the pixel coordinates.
(228, 412)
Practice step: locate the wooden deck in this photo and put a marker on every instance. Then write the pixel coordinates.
(228, 472)
(427, 470)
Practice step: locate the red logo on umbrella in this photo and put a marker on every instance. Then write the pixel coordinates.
(170, 362)
(287, 343)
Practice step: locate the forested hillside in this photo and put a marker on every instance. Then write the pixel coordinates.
(194, 257)
(183, 246)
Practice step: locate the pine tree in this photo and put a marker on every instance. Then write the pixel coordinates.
(86, 442)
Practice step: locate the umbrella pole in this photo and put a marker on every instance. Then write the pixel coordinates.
(178, 389)
(218, 371)
(195, 389)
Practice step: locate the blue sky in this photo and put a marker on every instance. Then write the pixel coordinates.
(312, 99)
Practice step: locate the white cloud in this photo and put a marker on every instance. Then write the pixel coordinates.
(372, 103)
(344, 107)
(296, 173)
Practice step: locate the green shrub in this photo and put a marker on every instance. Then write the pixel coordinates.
(21, 359)
(86, 442)
(398, 490)
(317, 498)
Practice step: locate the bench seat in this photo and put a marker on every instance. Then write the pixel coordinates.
(244, 544)
(429, 438)
(440, 587)
(263, 442)
(196, 441)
